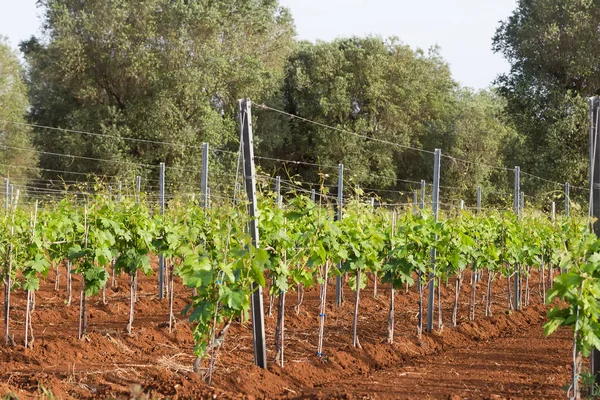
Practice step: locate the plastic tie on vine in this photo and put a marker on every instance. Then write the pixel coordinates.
(319, 354)
(322, 315)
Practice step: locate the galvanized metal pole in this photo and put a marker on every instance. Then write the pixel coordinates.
(522, 202)
(208, 197)
(138, 188)
(422, 205)
(373, 202)
(340, 205)
(567, 199)
(204, 178)
(435, 197)
(517, 189)
(12, 195)
(462, 204)
(312, 195)
(6, 194)
(478, 199)
(278, 191)
(258, 316)
(517, 276)
(415, 201)
(161, 257)
(553, 211)
(120, 185)
(595, 200)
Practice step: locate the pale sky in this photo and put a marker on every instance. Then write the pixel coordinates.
(462, 28)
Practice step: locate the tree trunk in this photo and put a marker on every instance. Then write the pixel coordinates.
(577, 362)
(391, 322)
(355, 319)
(300, 297)
(27, 318)
(456, 295)
(543, 282)
(7, 289)
(57, 279)
(322, 310)
(132, 286)
(112, 279)
(270, 308)
(550, 275)
(488, 299)
(509, 297)
(527, 287)
(374, 286)
(135, 287)
(218, 342)
(82, 310)
(439, 293)
(28, 324)
(420, 315)
(171, 315)
(472, 299)
(279, 329)
(69, 284)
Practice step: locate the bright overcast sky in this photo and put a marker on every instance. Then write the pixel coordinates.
(462, 28)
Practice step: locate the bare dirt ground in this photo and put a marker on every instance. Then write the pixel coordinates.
(504, 356)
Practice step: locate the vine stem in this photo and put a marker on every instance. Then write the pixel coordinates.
(322, 310)
(355, 320)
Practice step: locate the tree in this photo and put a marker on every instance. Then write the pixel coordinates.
(157, 70)
(382, 90)
(477, 133)
(18, 161)
(553, 48)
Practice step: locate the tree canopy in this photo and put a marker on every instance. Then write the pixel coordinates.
(137, 83)
(553, 48)
(18, 160)
(157, 70)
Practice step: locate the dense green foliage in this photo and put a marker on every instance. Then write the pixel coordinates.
(13, 108)
(553, 48)
(156, 70)
(212, 254)
(170, 73)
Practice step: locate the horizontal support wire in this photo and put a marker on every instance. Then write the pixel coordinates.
(293, 116)
(106, 135)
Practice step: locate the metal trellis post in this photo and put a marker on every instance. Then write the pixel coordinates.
(204, 178)
(278, 191)
(415, 201)
(258, 316)
(567, 199)
(340, 204)
(479, 199)
(138, 188)
(161, 257)
(522, 202)
(435, 197)
(517, 205)
(6, 194)
(422, 205)
(595, 199)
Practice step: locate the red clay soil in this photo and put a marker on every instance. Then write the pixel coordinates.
(499, 357)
